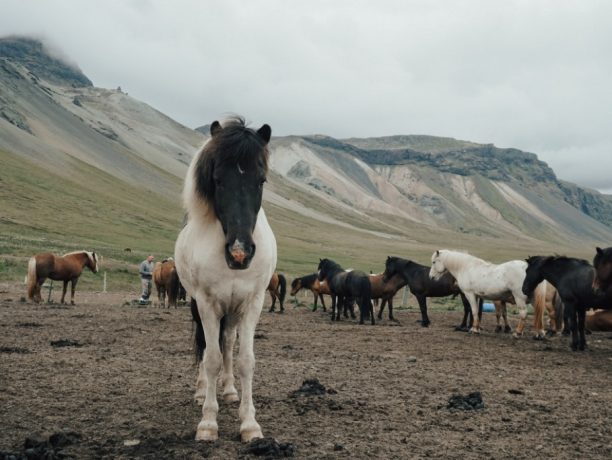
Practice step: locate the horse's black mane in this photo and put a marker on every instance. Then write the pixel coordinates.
(331, 266)
(306, 280)
(557, 258)
(234, 144)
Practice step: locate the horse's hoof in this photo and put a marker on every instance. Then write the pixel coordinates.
(461, 328)
(507, 330)
(538, 337)
(498, 329)
(425, 323)
(394, 320)
(231, 397)
(517, 335)
(207, 432)
(550, 333)
(247, 435)
(474, 331)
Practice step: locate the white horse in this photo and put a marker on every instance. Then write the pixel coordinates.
(479, 278)
(225, 256)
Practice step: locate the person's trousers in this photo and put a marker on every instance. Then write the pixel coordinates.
(146, 288)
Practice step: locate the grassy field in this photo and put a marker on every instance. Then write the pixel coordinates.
(91, 210)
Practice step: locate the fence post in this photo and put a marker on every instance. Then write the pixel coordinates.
(104, 285)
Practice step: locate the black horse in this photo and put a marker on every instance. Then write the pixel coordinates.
(343, 284)
(573, 279)
(422, 286)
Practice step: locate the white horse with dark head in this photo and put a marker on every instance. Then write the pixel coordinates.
(225, 256)
(479, 278)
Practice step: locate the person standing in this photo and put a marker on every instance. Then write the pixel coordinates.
(146, 275)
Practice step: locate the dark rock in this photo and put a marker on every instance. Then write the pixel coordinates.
(473, 401)
(269, 448)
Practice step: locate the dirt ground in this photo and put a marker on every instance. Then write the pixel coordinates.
(118, 380)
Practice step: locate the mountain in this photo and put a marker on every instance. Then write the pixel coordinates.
(90, 167)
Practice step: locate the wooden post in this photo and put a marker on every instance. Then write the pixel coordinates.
(104, 285)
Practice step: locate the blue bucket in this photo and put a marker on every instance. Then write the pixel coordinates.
(488, 307)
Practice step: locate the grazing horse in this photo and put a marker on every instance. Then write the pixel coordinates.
(478, 278)
(599, 321)
(573, 279)
(318, 288)
(416, 276)
(167, 282)
(344, 284)
(225, 256)
(277, 289)
(603, 269)
(59, 268)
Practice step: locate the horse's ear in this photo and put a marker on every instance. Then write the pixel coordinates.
(437, 252)
(215, 128)
(599, 250)
(265, 132)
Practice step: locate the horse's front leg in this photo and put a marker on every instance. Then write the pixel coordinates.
(64, 292)
(230, 394)
(520, 303)
(498, 315)
(273, 302)
(322, 302)
(573, 320)
(473, 300)
(73, 288)
(208, 429)
(249, 428)
(581, 328)
(507, 328)
(423, 307)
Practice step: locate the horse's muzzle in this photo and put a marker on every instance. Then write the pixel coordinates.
(239, 255)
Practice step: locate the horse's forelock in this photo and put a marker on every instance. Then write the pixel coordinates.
(235, 144)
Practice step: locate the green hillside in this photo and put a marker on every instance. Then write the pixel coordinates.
(90, 210)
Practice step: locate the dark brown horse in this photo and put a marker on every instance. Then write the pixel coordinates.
(59, 268)
(167, 282)
(603, 269)
(277, 289)
(311, 282)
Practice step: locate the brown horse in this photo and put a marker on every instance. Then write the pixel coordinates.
(602, 262)
(386, 290)
(599, 321)
(311, 282)
(59, 268)
(167, 282)
(277, 289)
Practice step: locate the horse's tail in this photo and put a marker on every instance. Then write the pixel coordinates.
(539, 305)
(283, 287)
(31, 283)
(199, 339)
(173, 288)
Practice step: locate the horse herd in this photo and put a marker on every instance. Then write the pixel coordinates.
(226, 255)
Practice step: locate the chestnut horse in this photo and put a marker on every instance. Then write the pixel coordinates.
(225, 256)
(167, 282)
(385, 289)
(277, 289)
(311, 282)
(59, 268)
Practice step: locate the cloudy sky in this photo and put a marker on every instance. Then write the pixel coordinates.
(536, 75)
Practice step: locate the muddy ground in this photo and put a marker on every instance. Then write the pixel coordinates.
(117, 381)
